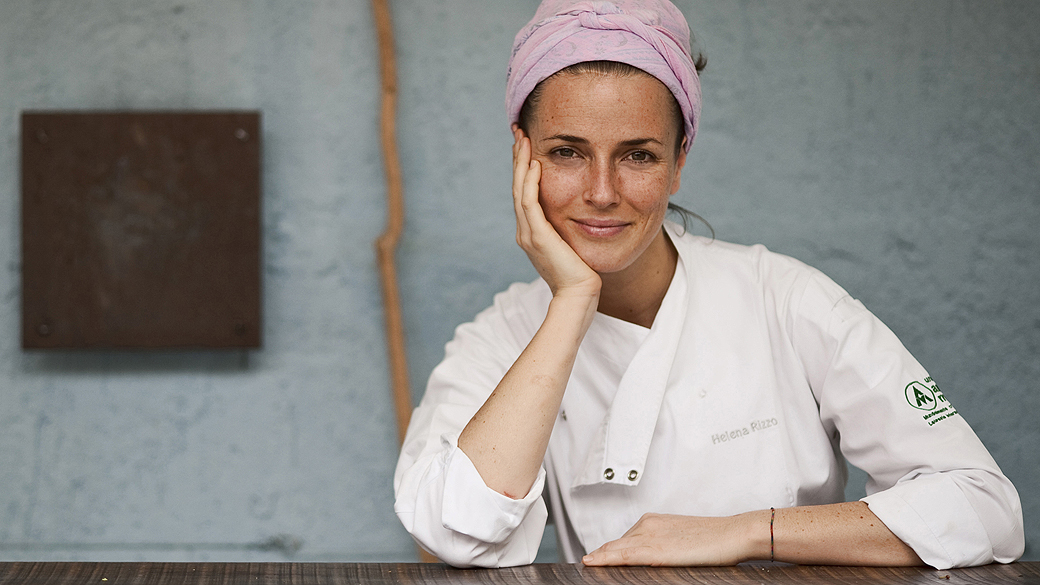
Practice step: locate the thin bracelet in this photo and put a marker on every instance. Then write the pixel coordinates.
(772, 549)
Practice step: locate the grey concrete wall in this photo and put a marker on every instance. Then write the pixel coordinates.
(895, 145)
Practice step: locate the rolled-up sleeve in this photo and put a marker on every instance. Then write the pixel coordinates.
(931, 480)
(440, 497)
(959, 518)
(452, 514)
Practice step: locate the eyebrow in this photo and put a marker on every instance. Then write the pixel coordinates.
(625, 143)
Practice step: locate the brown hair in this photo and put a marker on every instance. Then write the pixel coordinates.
(608, 68)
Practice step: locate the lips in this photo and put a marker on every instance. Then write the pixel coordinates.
(601, 228)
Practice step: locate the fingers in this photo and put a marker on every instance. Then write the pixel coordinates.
(526, 176)
(619, 552)
(521, 168)
(532, 208)
(518, 134)
(642, 544)
(530, 218)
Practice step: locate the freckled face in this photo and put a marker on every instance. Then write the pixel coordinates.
(606, 145)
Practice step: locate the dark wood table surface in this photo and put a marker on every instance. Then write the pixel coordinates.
(50, 573)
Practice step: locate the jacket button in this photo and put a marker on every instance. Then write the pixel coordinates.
(609, 473)
(633, 475)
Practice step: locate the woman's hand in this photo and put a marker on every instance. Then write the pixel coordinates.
(553, 258)
(668, 540)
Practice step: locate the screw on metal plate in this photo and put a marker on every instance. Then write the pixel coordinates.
(241, 134)
(44, 329)
(240, 329)
(41, 135)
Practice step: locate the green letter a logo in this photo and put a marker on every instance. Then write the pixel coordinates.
(920, 396)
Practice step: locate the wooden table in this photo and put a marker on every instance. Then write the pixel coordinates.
(407, 573)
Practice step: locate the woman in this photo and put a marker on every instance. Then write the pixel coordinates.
(677, 400)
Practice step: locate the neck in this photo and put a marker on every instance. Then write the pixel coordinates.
(635, 293)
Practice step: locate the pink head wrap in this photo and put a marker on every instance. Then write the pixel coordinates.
(649, 34)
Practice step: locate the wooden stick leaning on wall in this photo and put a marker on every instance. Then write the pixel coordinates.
(386, 244)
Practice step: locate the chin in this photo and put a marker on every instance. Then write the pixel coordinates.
(606, 263)
(611, 256)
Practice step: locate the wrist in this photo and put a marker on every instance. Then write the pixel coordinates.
(759, 544)
(585, 288)
(576, 301)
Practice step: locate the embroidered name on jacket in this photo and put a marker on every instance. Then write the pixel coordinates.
(744, 431)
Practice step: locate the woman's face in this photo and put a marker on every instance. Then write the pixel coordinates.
(606, 145)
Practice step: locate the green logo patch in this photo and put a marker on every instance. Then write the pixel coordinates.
(926, 396)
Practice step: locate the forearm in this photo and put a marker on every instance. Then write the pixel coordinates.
(506, 439)
(835, 534)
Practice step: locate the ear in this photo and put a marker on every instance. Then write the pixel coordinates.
(680, 162)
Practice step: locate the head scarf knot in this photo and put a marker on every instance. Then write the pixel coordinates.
(651, 35)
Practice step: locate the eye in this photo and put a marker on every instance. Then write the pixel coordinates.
(641, 156)
(565, 152)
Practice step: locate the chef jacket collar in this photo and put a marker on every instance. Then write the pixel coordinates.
(618, 453)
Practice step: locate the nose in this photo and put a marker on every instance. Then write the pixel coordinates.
(602, 189)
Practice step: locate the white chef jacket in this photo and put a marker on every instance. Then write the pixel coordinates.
(758, 378)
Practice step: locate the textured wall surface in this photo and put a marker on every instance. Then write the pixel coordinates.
(895, 145)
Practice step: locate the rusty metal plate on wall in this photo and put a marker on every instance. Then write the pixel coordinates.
(140, 229)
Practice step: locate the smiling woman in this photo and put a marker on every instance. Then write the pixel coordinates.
(676, 400)
(601, 145)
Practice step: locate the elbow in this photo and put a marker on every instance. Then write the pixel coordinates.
(460, 548)
(1009, 544)
(1000, 509)
(962, 519)
(463, 555)
(1000, 532)
(464, 552)
(451, 513)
